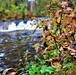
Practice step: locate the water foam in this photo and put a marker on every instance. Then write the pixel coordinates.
(29, 25)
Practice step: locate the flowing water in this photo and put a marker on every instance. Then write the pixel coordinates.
(13, 42)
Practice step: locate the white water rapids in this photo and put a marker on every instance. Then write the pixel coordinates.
(11, 26)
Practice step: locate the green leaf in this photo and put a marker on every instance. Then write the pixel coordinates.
(43, 69)
(68, 64)
(52, 44)
(31, 73)
(55, 52)
(49, 71)
(57, 32)
(52, 68)
(34, 68)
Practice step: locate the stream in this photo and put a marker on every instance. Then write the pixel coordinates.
(13, 43)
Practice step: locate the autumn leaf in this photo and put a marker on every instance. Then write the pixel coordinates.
(55, 58)
(57, 64)
(36, 46)
(54, 22)
(73, 73)
(58, 19)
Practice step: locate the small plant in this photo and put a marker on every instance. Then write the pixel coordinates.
(58, 50)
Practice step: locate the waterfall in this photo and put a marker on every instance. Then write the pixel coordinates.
(18, 25)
